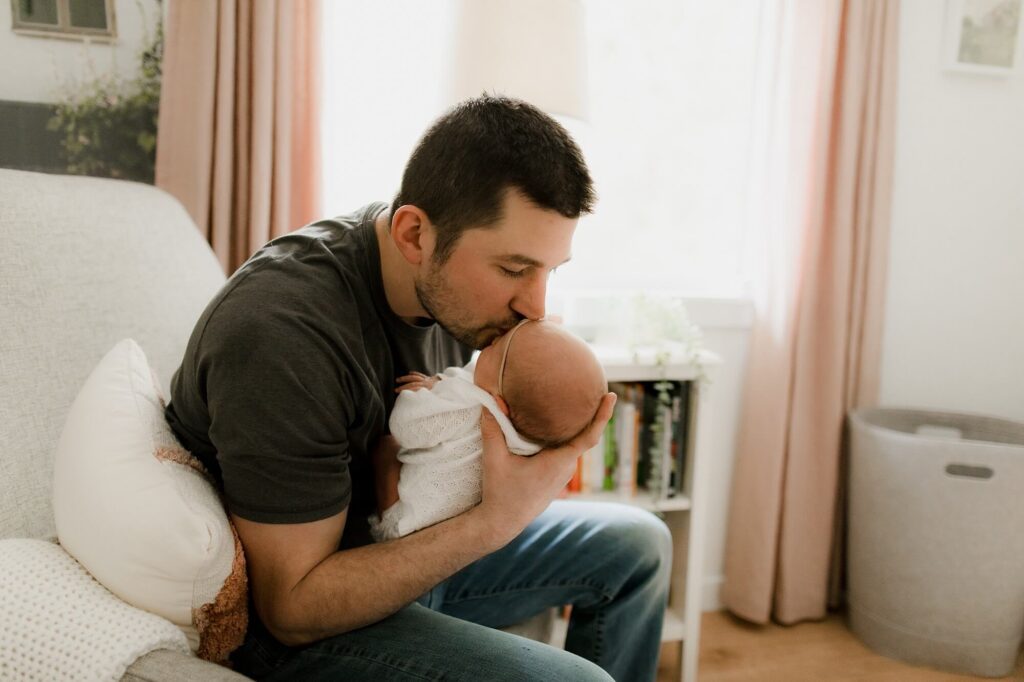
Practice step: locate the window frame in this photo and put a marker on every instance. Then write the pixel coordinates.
(63, 28)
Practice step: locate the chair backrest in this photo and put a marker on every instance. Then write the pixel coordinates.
(84, 262)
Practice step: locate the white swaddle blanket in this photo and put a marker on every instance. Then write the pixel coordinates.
(58, 623)
(439, 433)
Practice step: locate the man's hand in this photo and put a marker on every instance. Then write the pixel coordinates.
(414, 381)
(517, 489)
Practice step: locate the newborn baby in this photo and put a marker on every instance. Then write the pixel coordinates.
(541, 383)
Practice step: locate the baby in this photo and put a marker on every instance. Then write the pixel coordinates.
(543, 389)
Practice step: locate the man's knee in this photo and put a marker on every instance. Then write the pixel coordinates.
(640, 538)
(504, 657)
(542, 662)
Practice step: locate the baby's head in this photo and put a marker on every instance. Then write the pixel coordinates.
(551, 384)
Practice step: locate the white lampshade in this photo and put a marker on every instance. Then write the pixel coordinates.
(531, 49)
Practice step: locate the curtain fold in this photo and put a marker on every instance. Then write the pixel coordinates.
(238, 140)
(820, 194)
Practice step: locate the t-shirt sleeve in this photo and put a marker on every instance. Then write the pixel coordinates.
(277, 399)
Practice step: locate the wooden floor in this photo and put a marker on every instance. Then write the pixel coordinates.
(732, 650)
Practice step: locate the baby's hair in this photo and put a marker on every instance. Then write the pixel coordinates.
(553, 384)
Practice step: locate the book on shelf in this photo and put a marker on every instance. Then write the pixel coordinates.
(643, 445)
(664, 480)
(626, 437)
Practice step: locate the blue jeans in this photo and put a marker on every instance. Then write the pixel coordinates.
(610, 561)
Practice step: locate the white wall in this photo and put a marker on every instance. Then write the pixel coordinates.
(35, 69)
(726, 326)
(954, 334)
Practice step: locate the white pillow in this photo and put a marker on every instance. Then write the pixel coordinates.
(141, 514)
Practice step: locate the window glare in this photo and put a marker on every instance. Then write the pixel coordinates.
(667, 140)
(383, 86)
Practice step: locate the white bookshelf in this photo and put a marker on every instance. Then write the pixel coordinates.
(685, 514)
(678, 503)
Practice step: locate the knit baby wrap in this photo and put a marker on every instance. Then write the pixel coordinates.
(441, 448)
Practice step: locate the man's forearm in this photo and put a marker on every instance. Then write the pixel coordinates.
(387, 486)
(357, 587)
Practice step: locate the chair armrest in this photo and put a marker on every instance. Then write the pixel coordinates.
(163, 665)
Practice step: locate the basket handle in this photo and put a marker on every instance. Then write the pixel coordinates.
(970, 471)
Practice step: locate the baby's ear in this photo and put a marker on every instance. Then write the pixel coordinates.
(502, 405)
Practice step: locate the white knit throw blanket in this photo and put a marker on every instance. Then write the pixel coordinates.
(58, 623)
(441, 449)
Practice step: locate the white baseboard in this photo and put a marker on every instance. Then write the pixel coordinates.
(710, 599)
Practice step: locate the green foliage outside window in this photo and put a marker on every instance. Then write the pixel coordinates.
(109, 125)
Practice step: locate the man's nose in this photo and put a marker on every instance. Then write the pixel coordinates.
(530, 300)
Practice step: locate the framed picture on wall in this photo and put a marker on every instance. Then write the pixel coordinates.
(984, 36)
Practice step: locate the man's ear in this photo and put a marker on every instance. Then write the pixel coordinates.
(413, 234)
(502, 405)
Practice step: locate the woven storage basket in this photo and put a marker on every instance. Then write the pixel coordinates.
(936, 538)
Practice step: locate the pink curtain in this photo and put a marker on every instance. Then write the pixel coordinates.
(238, 140)
(820, 198)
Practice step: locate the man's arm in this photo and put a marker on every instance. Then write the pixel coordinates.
(387, 471)
(306, 590)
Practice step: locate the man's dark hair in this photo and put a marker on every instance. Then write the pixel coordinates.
(460, 170)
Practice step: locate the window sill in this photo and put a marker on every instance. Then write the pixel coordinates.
(100, 38)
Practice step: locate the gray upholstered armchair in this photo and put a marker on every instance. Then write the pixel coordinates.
(84, 263)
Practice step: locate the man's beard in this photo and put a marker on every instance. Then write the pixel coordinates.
(439, 300)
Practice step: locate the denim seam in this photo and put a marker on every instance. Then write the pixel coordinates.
(531, 588)
(599, 637)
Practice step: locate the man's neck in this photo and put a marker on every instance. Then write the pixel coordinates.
(399, 285)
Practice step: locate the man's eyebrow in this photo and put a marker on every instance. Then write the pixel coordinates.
(526, 260)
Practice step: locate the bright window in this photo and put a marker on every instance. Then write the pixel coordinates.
(667, 140)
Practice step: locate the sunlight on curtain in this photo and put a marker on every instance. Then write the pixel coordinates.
(667, 140)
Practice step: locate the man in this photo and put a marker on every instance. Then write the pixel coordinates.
(285, 391)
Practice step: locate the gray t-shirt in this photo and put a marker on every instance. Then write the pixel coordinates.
(288, 378)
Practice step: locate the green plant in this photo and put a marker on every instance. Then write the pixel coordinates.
(661, 324)
(109, 126)
(665, 390)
